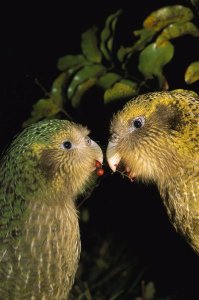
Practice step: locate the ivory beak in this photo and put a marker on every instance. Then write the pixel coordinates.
(113, 157)
(99, 154)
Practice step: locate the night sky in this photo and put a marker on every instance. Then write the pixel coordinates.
(33, 38)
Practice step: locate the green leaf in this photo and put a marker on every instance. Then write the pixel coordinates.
(130, 83)
(43, 108)
(167, 15)
(89, 45)
(81, 90)
(69, 61)
(47, 108)
(59, 85)
(145, 36)
(177, 30)
(91, 71)
(107, 35)
(113, 25)
(85, 215)
(153, 58)
(122, 52)
(150, 291)
(107, 80)
(57, 89)
(195, 3)
(192, 72)
(120, 91)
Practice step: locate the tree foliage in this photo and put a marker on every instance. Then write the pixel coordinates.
(105, 65)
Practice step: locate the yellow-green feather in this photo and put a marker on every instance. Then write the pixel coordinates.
(39, 231)
(165, 151)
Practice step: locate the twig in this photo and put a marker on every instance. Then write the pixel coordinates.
(49, 95)
(137, 280)
(87, 293)
(110, 275)
(42, 87)
(66, 114)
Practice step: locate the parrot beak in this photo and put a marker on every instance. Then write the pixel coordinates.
(113, 157)
(99, 156)
(100, 159)
(114, 160)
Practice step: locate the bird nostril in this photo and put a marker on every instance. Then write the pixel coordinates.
(113, 138)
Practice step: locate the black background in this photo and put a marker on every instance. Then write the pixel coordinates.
(32, 38)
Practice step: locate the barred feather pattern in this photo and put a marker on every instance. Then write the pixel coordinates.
(45, 257)
(181, 196)
(163, 149)
(40, 180)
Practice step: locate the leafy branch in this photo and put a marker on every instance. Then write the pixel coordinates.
(109, 68)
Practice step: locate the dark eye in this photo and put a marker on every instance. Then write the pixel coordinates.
(66, 145)
(138, 122)
(88, 140)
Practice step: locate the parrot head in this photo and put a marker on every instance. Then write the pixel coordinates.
(153, 135)
(52, 157)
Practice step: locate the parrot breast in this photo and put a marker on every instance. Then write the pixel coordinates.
(46, 255)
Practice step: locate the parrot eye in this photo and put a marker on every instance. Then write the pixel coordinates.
(66, 145)
(138, 122)
(88, 140)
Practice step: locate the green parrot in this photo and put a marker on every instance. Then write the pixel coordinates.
(41, 174)
(154, 138)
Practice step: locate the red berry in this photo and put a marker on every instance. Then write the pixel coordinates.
(98, 164)
(100, 172)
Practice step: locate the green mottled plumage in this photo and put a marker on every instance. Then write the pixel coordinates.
(39, 231)
(164, 150)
